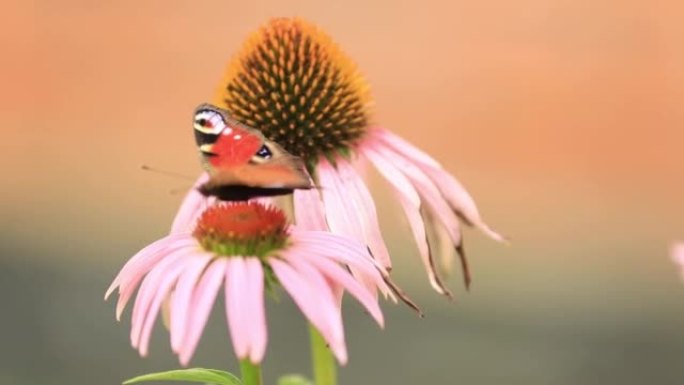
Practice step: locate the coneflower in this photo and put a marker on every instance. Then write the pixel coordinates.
(248, 248)
(291, 81)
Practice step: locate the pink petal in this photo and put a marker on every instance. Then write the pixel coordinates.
(402, 146)
(236, 306)
(194, 203)
(338, 211)
(429, 193)
(256, 310)
(148, 290)
(437, 206)
(677, 253)
(182, 297)
(394, 176)
(308, 210)
(410, 203)
(168, 279)
(202, 301)
(316, 300)
(142, 256)
(350, 208)
(338, 275)
(344, 251)
(325, 293)
(440, 241)
(136, 273)
(453, 191)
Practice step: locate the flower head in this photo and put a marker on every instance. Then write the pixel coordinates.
(292, 82)
(244, 247)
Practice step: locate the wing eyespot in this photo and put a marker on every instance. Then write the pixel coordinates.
(262, 155)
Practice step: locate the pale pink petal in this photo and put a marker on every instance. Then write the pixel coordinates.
(452, 190)
(182, 297)
(237, 285)
(337, 274)
(337, 210)
(344, 251)
(194, 203)
(402, 146)
(394, 176)
(202, 301)
(410, 203)
(349, 207)
(141, 257)
(461, 201)
(130, 281)
(148, 290)
(429, 193)
(677, 254)
(256, 310)
(440, 242)
(324, 292)
(435, 207)
(308, 210)
(316, 301)
(168, 279)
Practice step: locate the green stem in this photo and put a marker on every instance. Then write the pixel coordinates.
(322, 360)
(251, 373)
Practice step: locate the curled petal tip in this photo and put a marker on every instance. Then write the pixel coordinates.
(110, 291)
(495, 235)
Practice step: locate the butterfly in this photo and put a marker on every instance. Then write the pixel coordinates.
(240, 161)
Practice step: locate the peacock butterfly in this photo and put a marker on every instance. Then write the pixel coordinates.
(240, 161)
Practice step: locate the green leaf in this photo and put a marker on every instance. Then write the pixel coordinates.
(294, 379)
(210, 376)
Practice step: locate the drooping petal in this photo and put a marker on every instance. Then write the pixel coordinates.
(316, 301)
(427, 190)
(452, 190)
(434, 206)
(182, 297)
(411, 204)
(257, 310)
(130, 281)
(236, 305)
(308, 210)
(440, 242)
(677, 254)
(147, 292)
(202, 301)
(168, 279)
(392, 175)
(344, 251)
(140, 258)
(337, 274)
(402, 146)
(194, 203)
(349, 207)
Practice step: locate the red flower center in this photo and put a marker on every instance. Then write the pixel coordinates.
(241, 228)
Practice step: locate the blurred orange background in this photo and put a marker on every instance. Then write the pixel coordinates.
(565, 119)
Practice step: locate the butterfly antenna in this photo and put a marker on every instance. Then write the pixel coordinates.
(145, 167)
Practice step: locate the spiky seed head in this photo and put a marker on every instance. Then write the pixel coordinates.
(291, 81)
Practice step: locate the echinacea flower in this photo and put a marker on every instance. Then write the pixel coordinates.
(677, 254)
(248, 248)
(291, 81)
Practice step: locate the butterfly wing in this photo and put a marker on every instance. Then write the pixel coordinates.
(241, 161)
